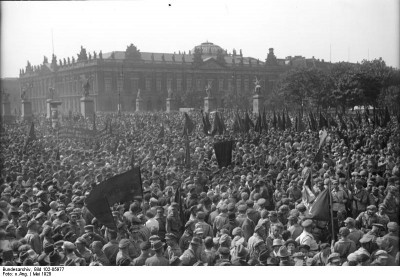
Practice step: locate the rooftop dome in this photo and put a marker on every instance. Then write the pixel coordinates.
(208, 48)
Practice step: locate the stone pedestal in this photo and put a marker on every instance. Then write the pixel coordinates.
(258, 104)
(171, 105)
(48, 108)
(87, 106)
(210, 104)
(26, 110)
(6, 112)
(139, 105)
(54, 113)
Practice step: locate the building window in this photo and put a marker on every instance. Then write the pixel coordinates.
(158, 84)
(178, 85)
(108, 85)
(238, 84)
(134, 85)
(198, 84)
(148, 84)
(221, 84)
(246, 84)
(169, 84)
(188, 83)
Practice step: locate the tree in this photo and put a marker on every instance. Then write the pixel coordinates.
(197, 59)
(221, 57)
(132, 53)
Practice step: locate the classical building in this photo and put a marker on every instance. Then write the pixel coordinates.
(116, 77)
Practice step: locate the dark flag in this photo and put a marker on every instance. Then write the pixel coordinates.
(359, 119)
(118, 189)
(189, 126)
(366, 116)
(332, 121)
(248, 123)
(296, 124)
(187, 156)
(322, 121)
(387, 117)
(274, 121)
(222, 122)
(178, 199)
(223, 152)
(280, 126)
(218, 125)
(206, 124)
(31, 135)
(238, 123)
(283, 120)
(258, 127)
(319, 210)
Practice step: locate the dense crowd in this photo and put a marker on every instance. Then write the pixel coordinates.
(249, 213)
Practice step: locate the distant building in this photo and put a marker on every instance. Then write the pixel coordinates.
(116, 77)
(12, 87)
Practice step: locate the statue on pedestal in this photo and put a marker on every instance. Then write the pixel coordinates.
(51, 92)
(208, 89)
(138, 95)
(170, 93)
(85, 86)
(257, 87)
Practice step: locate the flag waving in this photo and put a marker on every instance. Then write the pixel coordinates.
(319, 210)
(189, 125)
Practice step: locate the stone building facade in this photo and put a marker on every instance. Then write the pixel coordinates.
(116, 77)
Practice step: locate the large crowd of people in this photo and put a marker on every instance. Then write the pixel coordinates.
(250, 213)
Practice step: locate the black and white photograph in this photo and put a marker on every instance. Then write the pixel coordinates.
(199, 133)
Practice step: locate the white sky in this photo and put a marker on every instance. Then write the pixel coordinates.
(355, 29)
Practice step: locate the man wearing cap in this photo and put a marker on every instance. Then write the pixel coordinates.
(393, 237)
(123, 252)
(207, 229)
(173, 222)
(98, 254)
(111, 248)
(239, 258)
(275, 233)
(32, 236)
(355, 234)
(69, 251)
(257, 238)
(344, 246)
(359, 199)
(307, 238)
(158, 258)
(224, 257)
(193, 254)
(221, 219)
(381, 258)
(334, 259)
(81, 248)
(22, 229)
(366, 219)
(145, 248)
(173, 248)
(294, 227)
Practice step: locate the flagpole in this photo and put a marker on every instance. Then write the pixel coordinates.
(331, 212)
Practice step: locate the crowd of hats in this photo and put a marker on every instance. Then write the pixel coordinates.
(44, 184)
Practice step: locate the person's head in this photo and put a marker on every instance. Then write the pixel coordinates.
(96, 246)
(381, 257)
(325, 249)
(307, 225)
(291, 245)
(208, 242)
(334, 259)
(344, 232)
(371, 210)
(170, 239)
(145, 247)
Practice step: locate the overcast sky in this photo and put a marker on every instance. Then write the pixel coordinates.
(353, 29)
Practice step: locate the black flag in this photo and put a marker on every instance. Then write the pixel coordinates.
(223, 152)
(118, 189)
(189, 126)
